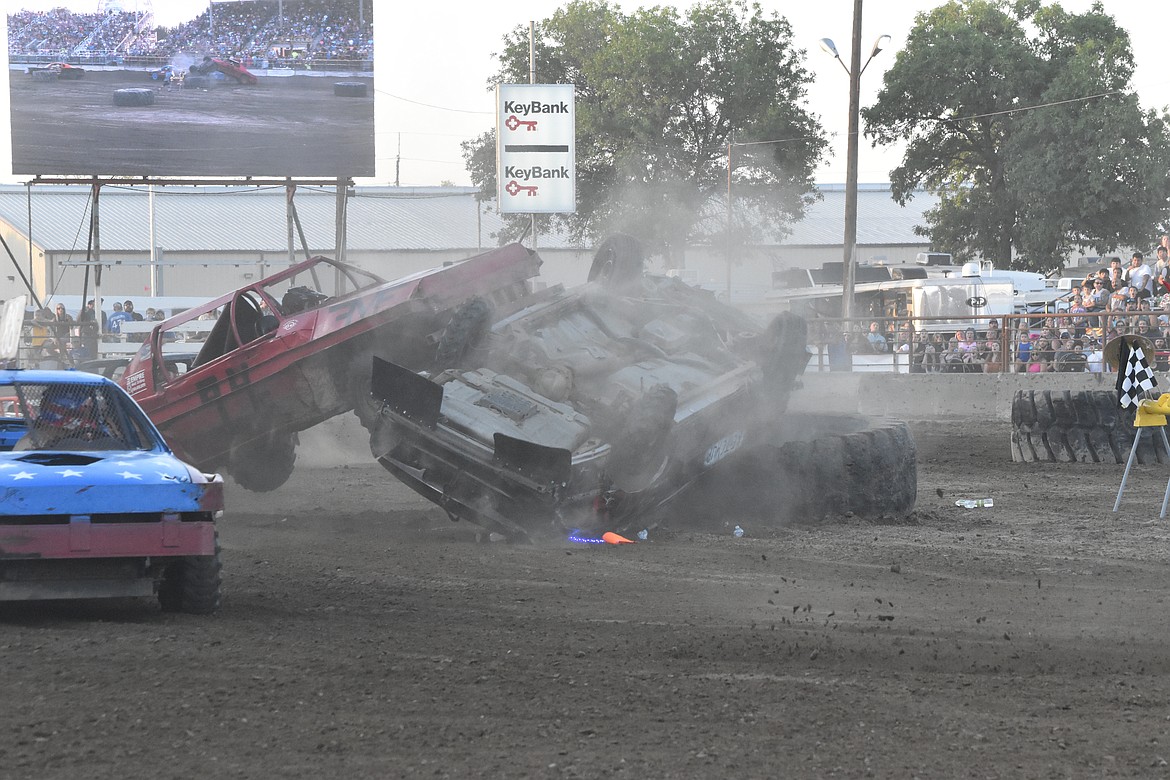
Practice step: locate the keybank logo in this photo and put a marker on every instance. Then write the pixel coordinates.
(535, 172)
(534, 107)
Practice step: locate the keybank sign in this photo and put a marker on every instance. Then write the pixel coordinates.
(536, 148)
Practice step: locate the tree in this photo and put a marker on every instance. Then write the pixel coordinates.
(1021, 118)
(659, 97)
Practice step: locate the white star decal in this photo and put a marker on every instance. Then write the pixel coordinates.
(122, 463)
(23, 475)
(129, 475)
(69, 473)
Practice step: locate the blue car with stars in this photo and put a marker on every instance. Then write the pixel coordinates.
(93, 503)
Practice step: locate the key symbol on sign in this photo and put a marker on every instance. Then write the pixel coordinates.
(513, 122)
(514, 188)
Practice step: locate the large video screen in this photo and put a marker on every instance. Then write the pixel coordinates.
(192, 87)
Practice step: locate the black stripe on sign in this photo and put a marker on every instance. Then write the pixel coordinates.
(535, 148)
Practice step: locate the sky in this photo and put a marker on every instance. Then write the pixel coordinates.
(433, 62)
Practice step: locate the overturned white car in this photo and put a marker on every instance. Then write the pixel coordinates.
(590, 408)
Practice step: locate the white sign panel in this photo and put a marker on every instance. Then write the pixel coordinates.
(11, 320)
(536, 148)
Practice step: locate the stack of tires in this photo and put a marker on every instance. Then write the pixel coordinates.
(838, 466)
(1076, 426)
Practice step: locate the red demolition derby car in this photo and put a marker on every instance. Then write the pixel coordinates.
(294, 349)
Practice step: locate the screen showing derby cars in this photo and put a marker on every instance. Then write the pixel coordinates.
(240, 88)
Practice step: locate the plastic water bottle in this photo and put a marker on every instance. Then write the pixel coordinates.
(643, 535)
(972, 503)
(738, 532)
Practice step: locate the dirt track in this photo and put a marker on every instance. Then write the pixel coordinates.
(292, 126)
(364, 635)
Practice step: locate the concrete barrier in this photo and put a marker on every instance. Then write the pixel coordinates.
(932, 396)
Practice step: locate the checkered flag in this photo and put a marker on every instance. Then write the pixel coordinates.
(1135, 375)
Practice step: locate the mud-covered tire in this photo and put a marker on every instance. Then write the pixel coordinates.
(365, 407)
(868, 473)
(618, 262)
(134, 97)
(465, 331)
(196, 82)
(1076, 426)
(264, 464)
(43, 75)
(641, 449)
(784, 359)
(831, 466)
(357, 89)
(192, 584)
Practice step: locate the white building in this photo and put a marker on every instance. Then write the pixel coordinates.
(209, 240)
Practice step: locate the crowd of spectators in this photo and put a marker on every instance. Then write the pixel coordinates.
(58, 32)
(1116, 300)
(56, 335)
(310, 31)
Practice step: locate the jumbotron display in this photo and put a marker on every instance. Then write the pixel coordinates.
(246, 88)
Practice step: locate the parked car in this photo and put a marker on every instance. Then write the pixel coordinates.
(95, 505)
(289, 351)
(590, 408)
(62, 70)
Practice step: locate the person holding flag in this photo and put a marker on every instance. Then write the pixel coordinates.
(1134, 373)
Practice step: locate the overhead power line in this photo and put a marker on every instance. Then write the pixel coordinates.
(1016, 110)
(431, 105)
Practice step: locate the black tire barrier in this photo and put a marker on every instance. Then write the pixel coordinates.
(133, 97)
(837, 466)
(1076, 426)
(196, 82)
(356, 89)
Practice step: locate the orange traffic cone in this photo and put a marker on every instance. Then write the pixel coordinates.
(609, 537)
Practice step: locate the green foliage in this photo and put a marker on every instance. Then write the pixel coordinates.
(1020, 117)
(659, 97)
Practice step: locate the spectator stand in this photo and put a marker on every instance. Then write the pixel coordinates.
(310, 35)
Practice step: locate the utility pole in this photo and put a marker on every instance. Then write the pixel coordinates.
(532, 80)
(729, 245)
(850, 257)
(854, 70)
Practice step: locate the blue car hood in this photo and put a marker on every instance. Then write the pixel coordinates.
(90, 483)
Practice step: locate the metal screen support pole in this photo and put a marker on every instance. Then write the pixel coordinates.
(1137, 437)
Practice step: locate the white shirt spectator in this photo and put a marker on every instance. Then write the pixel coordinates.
(1140, 276)
(1096, 358)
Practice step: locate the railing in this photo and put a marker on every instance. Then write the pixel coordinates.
(67, 345)
(63, 345)
(1032, 343)
(188, 337)
(152, 61)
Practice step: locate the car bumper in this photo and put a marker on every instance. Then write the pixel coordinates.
(80, 538)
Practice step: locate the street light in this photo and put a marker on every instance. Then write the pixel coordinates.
(855, 69)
